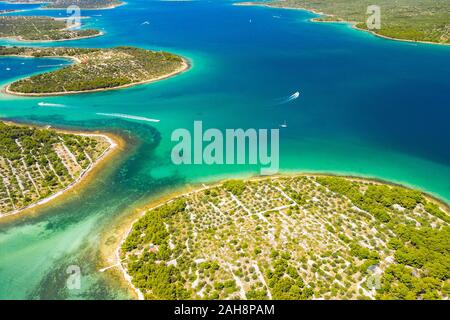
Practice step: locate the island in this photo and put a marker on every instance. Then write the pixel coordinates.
(64, 4)
(409, 20)
(291, 237)
(41, 28)
(84, 4)
(37, 165)
(94, 69)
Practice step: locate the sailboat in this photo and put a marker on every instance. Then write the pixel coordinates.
(284, 125)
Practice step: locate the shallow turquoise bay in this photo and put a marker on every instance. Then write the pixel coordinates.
(368, 106)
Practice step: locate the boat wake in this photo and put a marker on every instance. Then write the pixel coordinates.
(52, 105)
(51, 65)
(290, 98)
(127, 116)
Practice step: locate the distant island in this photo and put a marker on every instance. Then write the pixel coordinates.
(63, 4)
(42, 29)
(291, 237)
(94, 69)
(37, 165)
(408, 20)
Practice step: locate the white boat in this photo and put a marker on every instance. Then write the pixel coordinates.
(294, 96)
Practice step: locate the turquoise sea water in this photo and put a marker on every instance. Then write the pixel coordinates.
(368, 106)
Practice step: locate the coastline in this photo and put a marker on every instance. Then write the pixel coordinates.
(123, 229)
(121, 3)
(393, 39)
(111, 241)
(20, 39)
(116, 144)
(352, 23)
(112, 6)
(23, 2)
(77, 25)
(185, 66)
(124, 271)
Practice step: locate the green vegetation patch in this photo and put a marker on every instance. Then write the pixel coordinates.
(236, 187)
(417, 20)
(36, 163)
(95, 69)
(35, 28)
(83, 4)
(300, 237)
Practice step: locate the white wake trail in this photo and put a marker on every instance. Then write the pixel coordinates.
(290, 98)
(52, 105)
(127, 116)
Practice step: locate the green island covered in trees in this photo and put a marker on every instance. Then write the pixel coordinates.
(84, 4)
(292, 237)
(413, 20)
(41, 28)
(94, 69)
(63, 4)
(37, 163)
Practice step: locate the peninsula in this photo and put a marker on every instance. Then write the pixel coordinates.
(37, 165)
(94, 69)
(408, 20)
(292, 237)
(41, 28)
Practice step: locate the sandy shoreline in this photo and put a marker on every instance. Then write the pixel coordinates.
(112, 240)
(352, 23)
(394, 39)
(116, 144)
(123, 270)
(185, 66)
(125, 226)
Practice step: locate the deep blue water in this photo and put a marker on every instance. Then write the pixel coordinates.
(368, 106)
